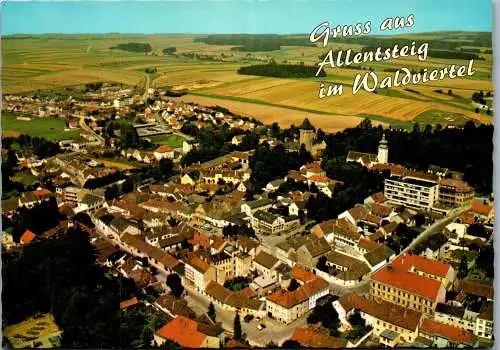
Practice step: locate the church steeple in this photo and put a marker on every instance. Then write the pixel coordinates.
(383, 151)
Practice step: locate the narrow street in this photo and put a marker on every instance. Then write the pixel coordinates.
(274, 331)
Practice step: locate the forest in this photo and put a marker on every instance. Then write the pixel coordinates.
(60, 276)
(281, 70)
(468, 150)
(133, 47)
(250, 42)
(480, 40)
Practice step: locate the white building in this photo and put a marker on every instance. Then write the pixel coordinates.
(412, 191)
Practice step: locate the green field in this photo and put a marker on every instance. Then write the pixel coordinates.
(170, 140)
(49, 128)
(49, 62)
(25, 178)
(434, 117)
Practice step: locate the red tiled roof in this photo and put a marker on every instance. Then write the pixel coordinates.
(312, 285)
(480, 208)
(27, 237)
(200, 239)
(41, 193)
(319, 178)
(383, 310)
(358, 212)
(432, 267)
(183, 331)
(302, 275)
(398, 276)
(477, 289)
(467, 218)
(395, 169)
(199, 264)
(368, 244)
(311, 337)
(380, 209)
(453, 334)
(128, 303)
(163, 149)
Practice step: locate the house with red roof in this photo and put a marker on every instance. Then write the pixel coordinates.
(317, 337)
(198, 272)
(188, 334)
(414, 282)
(392, 324)
(164, 151)
(446, 336)
(27, 237)
(483, 210)
(286, 306)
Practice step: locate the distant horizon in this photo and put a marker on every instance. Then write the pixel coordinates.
(283, 17)
(215, 33)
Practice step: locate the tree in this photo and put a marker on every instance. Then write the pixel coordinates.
(128, 136)
(325, 314)
(321, 265)
(166, 167)
(291, 344)
(175, 284)
(111, 192)
(463, 268)
(84, 219)
(211, 311)
(304, 155)
(275, 130)
(127, 186)
(237, 327)
(486, 259)
(293, 285)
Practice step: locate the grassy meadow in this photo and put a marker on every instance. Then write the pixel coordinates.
(53, 61)
(49, 128)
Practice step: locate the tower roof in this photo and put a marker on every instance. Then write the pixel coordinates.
(383, 141)
(306, 125)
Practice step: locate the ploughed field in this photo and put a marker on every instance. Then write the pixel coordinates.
(208, 73)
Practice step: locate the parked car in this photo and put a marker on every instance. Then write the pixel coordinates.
(261, 326)
(248, 318)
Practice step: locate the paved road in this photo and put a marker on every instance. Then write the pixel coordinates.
(146, 87)
(364, 286)
(84, 126)
(274, 331)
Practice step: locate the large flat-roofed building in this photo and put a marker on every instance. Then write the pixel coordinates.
(414, 191)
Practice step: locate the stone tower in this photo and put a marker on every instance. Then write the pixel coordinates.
(383, 151)
(307, 135)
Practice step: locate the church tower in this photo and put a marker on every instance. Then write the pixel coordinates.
(307, 134)
(383, 151)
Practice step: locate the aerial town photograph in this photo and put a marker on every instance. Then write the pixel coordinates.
(247, 174)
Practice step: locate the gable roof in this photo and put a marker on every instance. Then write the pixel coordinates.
(266, 260)
(383, 310)
(198, 264)
(453, 334)
(398, 275)
(183, 331)
(176, 306)
(27, 237)
(163, 149)
(480, 208)
(312, 285)
(317, 246)
(477, 289)
(314, 337)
